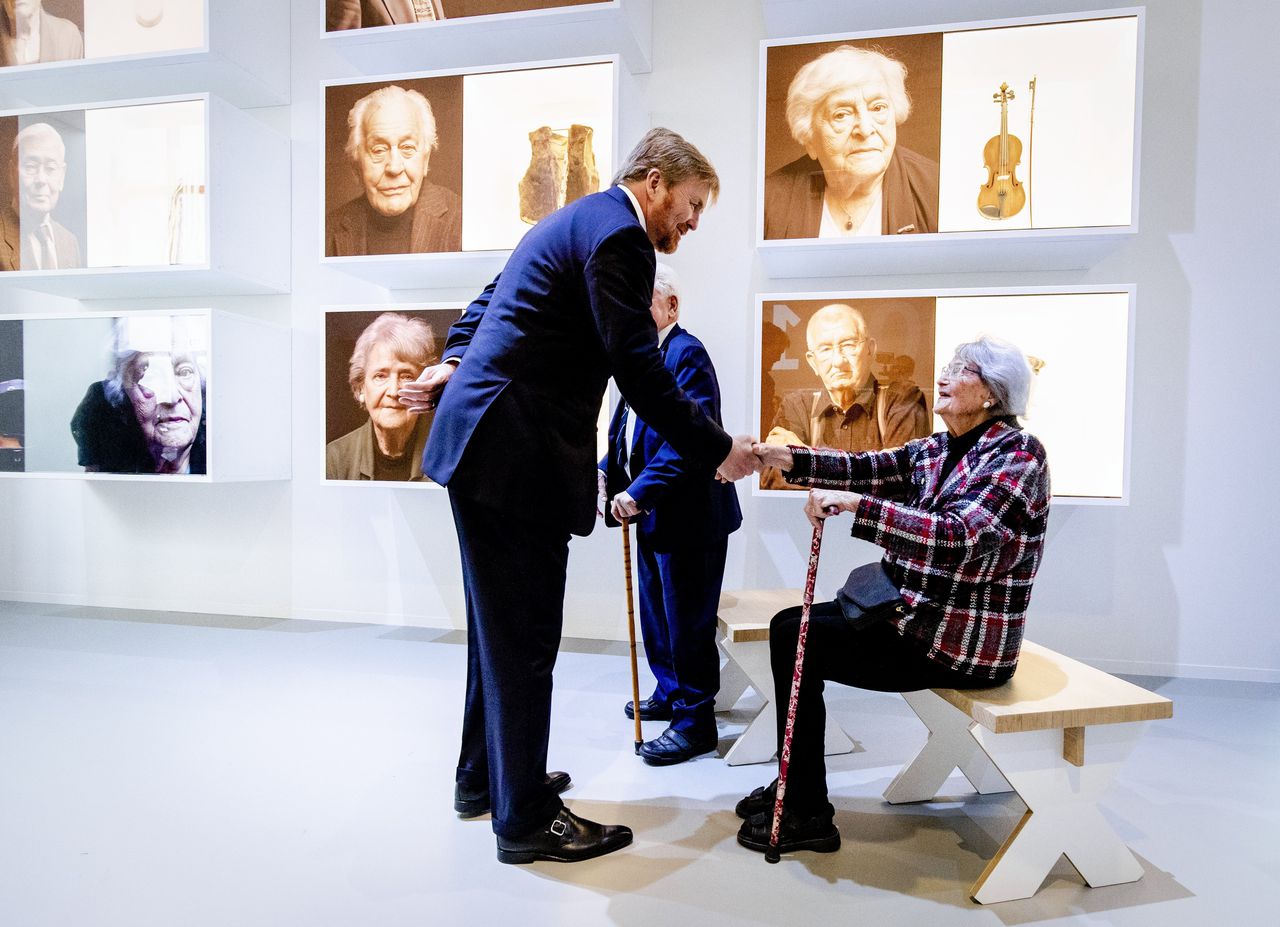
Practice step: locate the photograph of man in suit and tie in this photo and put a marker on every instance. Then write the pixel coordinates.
(32, 32)
(30, 237)
(683, 518)
(516, 398)
(392, 133)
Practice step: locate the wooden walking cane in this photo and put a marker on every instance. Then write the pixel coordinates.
(784, 757)
(631, 631)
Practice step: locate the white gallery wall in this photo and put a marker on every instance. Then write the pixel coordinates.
(1173, 583)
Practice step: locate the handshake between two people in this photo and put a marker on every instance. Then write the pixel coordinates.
(746, 456)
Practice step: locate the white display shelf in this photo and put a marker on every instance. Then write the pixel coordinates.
(423, 271)
(942, 252)
(246, 440)
(242, 197)
(623, 27)
(246, 66)
(965, 250)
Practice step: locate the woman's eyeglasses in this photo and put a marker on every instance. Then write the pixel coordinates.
(956, 369)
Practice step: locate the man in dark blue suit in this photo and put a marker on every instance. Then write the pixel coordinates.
(513, 439)
(683, 520)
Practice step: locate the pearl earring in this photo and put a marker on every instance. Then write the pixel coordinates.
(987, 404)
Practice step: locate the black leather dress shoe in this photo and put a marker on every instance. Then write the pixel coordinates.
(649, 710)
(473, 804)
(817, 833)
(672, 747)
(760, 800)
(567, 839)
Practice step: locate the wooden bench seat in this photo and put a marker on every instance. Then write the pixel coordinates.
(1056, 733)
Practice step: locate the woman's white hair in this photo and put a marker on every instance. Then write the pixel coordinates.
(1003, 368)
(827, 73)
(409, 339)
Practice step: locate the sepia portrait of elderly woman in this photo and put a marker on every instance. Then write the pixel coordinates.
(391, 350)
(846, 109)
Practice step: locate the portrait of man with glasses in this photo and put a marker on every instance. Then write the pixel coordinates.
(30, 237)
(852, 409)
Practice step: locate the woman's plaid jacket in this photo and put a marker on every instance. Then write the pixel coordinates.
(963, 554)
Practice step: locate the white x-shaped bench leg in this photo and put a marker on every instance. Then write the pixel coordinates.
(950, 746)
(733, 681)
(759, 742)
(1062, 811)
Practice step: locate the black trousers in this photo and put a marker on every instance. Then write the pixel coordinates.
(875, 657)
(514, 573)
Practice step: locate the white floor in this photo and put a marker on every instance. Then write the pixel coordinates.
(184, 771)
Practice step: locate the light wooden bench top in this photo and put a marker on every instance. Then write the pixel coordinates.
(1049, 691)
(745, 613)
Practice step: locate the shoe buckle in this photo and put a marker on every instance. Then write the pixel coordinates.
(559, 827)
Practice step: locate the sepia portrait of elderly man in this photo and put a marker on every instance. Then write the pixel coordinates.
(391, 135)
(856, 178)
(32, 34)
(30, 237)
(850, 408)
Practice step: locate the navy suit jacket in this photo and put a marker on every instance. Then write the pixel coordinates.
(683, 502)
(516, 424)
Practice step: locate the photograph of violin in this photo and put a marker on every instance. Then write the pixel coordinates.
(1002, 195)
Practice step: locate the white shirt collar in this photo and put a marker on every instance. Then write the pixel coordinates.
(662, 335)
(635, 204)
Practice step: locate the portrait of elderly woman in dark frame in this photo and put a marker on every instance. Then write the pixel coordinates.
(148, 416)
(847, 109)
(391, 351)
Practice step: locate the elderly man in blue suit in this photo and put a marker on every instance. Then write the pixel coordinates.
(518, 390)
(683, 521)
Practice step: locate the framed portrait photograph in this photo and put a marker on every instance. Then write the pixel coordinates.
(124, 394)
(857, 372)
(368, 354)
(393, 166)
(449, 163)
(850, 137)
(43, 196)
(847, 373)
(369, 14)
(1008, 125)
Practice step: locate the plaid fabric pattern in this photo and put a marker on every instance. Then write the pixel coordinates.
(964, 553)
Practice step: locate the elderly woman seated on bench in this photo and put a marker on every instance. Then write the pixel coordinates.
(961, 515)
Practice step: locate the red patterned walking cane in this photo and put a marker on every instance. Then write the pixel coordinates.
(784, 757)
(631, 631)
